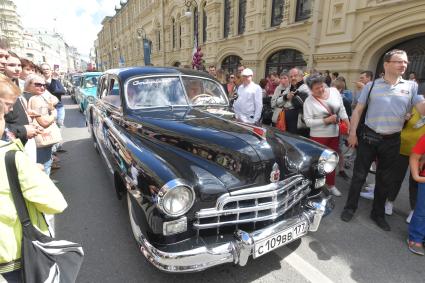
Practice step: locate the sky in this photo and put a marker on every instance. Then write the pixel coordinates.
(77, 20)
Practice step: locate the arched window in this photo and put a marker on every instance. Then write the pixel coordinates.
(303, 10)
(415, 49)
(173, 32)
(242, 13)
(230, 64)
(284, 60)
(277, 12)
(195, 25)
(204, 23)
(226, 18)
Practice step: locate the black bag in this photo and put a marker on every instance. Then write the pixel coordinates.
(369, 136)
(267, 111)
(298, 99)
(43, 259)
(361, 125)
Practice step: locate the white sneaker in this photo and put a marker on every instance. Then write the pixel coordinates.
(370, 187)
(333, 190)
(367, 194)
(389, 207)
(409, 217)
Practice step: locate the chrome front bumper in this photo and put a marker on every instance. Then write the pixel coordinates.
(236, 251)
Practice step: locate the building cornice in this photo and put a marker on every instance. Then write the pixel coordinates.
(333, 57)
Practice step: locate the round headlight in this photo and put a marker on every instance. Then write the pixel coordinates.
(90, 99)
(175, 198)
(328, 161)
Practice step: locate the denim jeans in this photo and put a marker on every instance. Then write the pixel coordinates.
(417, 224)
(387, 153)
(60, 119)
(44, 156)
(61, 115)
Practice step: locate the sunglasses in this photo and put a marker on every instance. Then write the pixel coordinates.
(232, 77)
(39, 85)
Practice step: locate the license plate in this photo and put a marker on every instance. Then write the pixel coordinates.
(280, 239)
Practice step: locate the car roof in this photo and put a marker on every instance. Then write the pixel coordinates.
(125, 73)
(92, 74)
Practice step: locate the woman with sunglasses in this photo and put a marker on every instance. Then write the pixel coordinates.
(43, 104)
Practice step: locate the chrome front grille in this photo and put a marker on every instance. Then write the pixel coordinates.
(253, 205)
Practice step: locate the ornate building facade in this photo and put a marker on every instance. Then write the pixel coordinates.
(10, 24)
(271, 35)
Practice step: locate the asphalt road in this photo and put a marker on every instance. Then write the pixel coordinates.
(339, 252)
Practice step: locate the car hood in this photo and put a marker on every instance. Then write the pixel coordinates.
(232, 153)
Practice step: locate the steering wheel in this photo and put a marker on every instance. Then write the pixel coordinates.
(203, 98)
(202, 95)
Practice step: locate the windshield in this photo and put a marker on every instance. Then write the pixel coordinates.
(169, 91)
(90, 82)
(75, 80)
(204, 92)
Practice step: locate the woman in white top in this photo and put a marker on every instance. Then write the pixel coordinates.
(323, 110)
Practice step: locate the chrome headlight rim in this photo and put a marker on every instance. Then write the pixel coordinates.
(325, 157)
(170, 186)
(90, 99)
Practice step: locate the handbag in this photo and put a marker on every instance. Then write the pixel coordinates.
(342, 126)
(267, 111)
(276, 113)
(44, 259)
(298, 99)
(281, 121)
(50, 136)
(361, 124)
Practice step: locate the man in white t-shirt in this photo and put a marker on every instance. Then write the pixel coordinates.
(249, 104)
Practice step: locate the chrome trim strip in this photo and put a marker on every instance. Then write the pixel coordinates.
(269, 187)
(170, 185)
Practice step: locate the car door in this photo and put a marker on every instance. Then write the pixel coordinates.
(109, 116)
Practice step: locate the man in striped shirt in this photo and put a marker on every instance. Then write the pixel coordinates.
(389, 100)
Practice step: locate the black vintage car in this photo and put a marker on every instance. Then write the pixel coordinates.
(203, 189)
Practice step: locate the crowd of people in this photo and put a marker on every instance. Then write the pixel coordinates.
(30, 108)
(382, 121)
(378, 123)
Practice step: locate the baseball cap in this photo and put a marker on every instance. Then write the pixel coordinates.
(247, 72)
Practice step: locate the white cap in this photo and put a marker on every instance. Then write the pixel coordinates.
(247, 72)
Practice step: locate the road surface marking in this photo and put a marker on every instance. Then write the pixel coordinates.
(304, 268)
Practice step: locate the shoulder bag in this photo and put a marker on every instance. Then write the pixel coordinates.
(50, 135)
(43, 258)
(363, 132)
(343, 128)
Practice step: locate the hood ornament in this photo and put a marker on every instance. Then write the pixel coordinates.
(275, 174)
